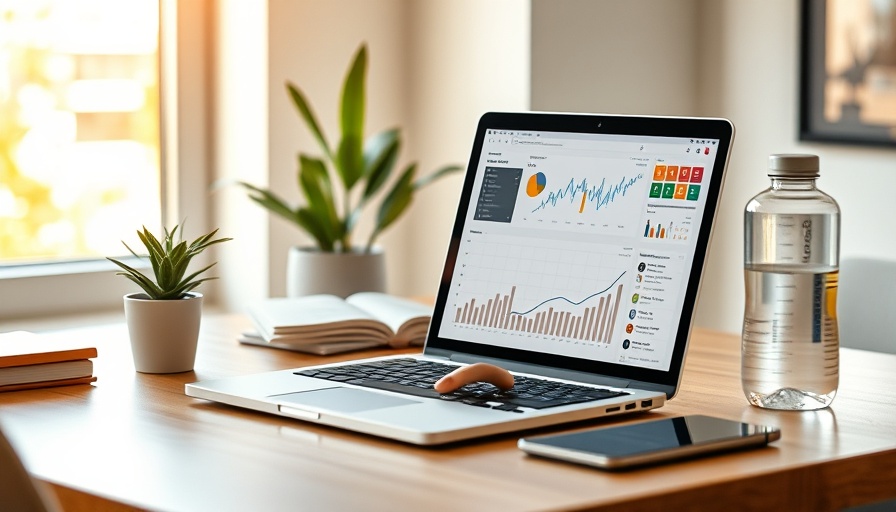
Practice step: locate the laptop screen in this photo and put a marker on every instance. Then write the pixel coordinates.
(580, 241)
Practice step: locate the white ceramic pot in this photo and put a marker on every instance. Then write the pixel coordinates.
(310, 271)
(164, 333)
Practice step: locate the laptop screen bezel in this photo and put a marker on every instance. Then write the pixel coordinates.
(697, 128)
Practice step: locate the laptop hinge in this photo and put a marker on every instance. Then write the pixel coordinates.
(514, 366)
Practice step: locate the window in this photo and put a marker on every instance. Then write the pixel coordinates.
(79, 127)
(89, 142)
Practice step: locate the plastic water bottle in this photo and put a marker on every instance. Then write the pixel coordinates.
(790, 342)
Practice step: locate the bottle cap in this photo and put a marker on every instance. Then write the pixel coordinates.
(793, 166)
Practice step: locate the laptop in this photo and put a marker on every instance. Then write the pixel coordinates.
(575, 262)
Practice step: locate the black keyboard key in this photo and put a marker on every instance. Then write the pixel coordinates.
(407, 390)
(543, 404)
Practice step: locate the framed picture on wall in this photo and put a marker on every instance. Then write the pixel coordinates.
(848, 75)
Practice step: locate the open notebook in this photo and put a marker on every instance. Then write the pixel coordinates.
(575, 260)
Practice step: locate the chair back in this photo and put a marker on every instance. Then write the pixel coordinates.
(18, 491)
(866, 304)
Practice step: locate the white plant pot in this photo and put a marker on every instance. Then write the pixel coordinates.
(164, 333)
(310, 271)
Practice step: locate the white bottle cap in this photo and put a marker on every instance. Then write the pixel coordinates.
(793, 166)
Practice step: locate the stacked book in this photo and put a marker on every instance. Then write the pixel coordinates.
(29, 361)
(327, 324)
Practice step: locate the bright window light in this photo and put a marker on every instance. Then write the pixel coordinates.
(105, 96)
(79, 127)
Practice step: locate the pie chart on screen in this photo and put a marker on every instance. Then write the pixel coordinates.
(536, 184)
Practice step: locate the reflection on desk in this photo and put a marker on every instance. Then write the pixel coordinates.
(136, 441)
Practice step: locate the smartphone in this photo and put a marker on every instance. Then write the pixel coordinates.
(650, 442)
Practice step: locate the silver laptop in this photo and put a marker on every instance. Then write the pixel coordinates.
(574, 262)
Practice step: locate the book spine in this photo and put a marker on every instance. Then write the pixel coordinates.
(48, 383)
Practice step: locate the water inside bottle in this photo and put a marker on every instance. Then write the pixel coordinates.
(790, 345)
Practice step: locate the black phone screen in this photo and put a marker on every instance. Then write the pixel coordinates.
(648, 441)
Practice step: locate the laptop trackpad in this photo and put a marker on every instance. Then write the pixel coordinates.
(344, 399)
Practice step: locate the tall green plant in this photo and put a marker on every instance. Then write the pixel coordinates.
(348, 176)
(169, 261)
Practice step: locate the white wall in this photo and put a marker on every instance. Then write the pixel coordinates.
(745, 57)
(607, 56)
(239, 121)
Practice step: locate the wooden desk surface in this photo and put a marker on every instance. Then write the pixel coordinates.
(135, 440)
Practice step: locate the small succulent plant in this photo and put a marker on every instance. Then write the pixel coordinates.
(170, 260)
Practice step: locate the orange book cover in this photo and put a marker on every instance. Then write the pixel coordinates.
(20, 348)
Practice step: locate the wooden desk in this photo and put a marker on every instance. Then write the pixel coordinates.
(135, 440)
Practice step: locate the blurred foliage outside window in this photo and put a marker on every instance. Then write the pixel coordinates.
(79, 127)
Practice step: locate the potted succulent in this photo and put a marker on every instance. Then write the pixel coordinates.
(338, 186)
(163, 320)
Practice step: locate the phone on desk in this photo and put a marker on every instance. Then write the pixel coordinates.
(650, 442)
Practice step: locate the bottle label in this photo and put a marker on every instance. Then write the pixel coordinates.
(818, 291)
(806, 255)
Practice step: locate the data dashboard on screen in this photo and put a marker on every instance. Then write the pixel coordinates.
(579, 245)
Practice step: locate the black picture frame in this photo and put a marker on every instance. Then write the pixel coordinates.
(848, 88)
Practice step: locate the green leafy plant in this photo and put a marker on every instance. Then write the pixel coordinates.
(169, 264)
(348, 177)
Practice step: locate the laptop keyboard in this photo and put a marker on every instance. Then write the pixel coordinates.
(416, 377)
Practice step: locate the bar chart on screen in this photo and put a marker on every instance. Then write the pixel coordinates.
(513, 288)
(589, 319)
